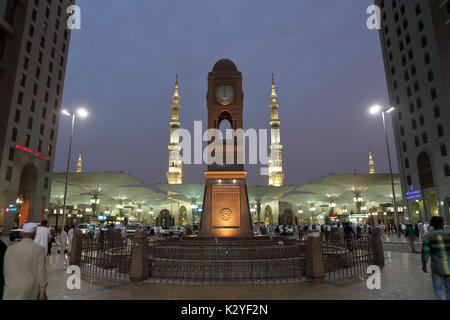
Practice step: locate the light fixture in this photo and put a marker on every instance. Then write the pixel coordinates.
(82, 112)
(64, 111)
(375, 109)
(390, 110)
(300, 211)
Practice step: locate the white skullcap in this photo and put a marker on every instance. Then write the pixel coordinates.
(29, 227)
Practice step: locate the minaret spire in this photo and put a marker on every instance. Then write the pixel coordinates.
(276, 174)
(79, 164)
(371, 163)
(175, 173)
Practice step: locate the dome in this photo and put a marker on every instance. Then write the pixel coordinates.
(225, 65)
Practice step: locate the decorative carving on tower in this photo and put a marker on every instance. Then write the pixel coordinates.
(175, 172)
(371, 164)
(276, 174)
(79, 164)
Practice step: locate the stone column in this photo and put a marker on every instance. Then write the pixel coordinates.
(314, 257)
(377, 247)
(75, 254)
(139, 257)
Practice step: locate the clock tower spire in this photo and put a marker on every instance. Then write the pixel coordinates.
(175, 173)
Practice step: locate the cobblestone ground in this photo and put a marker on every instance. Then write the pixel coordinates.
(401, 279)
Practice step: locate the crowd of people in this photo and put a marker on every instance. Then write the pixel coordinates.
(23, 271)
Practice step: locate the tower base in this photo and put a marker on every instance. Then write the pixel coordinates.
(225, 206)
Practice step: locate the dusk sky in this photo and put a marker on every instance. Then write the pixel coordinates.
(328, 69)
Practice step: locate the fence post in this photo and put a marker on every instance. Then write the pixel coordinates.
(314, 256)
(139, 257)
(377, 246)
(75, 253)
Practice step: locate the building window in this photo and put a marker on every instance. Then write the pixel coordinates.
(30, 123)
(8, 174)
(427, 58)
(416, 141)
(433, 94)
(408, 180)
(419, 103)
(11, 154)
(414, 124)
(17, 116)
(411, 108)
(41, 131)
(10, 11)
(424, 138)
(402, 131)
(39, 146)
(14, 135)
(437, 112)
(418, 10)
(48, 166)
(20, 98)
(44, 113)
(425, 170)
(420, 25)
(46, 183)
(405, 149)
(447, 170)
(421, 120)
(430, 76)
(50, 148)
(406, 163)
(23, 80)
(444, 150)
(27, 140)
(440, 131)
(32, 105)
(52, 134)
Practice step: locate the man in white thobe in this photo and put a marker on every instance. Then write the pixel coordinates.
(24, 268)
(69, 238)
(43, 236)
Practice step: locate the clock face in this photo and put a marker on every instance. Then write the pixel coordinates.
(225, 95)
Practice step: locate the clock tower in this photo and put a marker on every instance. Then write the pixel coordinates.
(225, 208)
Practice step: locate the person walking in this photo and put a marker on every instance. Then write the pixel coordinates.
(409, 233)
(69, 238)
(43, 236)
(63, 239)
(3, 248)
(24, 268)
(436, 244)
(416, 231)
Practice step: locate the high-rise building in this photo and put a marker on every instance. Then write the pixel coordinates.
(34, 42)
(415, 40)
(276, 174)
(175, 173)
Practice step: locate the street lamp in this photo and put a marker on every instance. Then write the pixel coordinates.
(375, 110)
(82, 113)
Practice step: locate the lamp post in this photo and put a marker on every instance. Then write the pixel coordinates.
(374, 110)
(82, 113)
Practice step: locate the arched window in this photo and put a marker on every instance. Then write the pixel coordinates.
(425, 170)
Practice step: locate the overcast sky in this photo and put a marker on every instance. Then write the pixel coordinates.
(328, 68)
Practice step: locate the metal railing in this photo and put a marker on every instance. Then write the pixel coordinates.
(227, 261)
(347, 258)
(105, 258)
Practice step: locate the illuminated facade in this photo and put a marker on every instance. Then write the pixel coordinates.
(175, 173)
(276, 174)
(34, 43)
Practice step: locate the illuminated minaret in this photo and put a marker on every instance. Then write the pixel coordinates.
(175, 174)
(79, 164)
(371, 163)
(276, 174)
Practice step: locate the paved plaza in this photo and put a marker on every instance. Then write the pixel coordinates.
(401, 279)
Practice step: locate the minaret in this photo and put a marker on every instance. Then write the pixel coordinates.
(79, 164)
(276, 174)
(175, 174)
(371, 163)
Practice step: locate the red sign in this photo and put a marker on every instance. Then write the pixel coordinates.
(36, 154)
